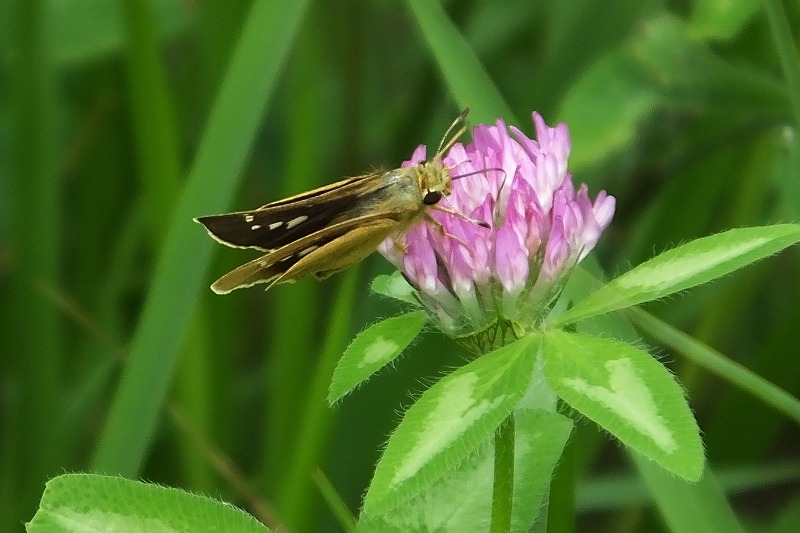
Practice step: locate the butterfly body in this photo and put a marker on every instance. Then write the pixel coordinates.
(328, 229)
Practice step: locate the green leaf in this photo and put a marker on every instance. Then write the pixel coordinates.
(394, 286)
(448, 423)
(683, 267)
(372, 349)
(599, 130)
(628, 393)
(700, 507)
(716, 19)
(87, 503)
(659, 68)
(540, 439)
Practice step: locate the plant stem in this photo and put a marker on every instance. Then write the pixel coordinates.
(561, 496)
(787, 51)
(503, 490)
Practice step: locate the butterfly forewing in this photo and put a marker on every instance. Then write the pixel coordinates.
(279, 223)
(269, 229)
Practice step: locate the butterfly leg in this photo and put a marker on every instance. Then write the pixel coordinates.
(400, 247)
(443, 232)
(443, 209)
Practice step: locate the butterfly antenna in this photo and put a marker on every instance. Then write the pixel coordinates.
(481, 171)
(460, 123)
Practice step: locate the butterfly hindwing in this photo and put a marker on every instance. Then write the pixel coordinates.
(312, 254)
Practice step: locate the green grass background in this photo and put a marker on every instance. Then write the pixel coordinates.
(122, 120)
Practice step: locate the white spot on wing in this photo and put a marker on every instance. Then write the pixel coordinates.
(295, 221)
(276, 225)
(308, 250)
(255, 227)
(249, 218)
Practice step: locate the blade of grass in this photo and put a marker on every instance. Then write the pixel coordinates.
(286, 374)
(31, 326)
(152, 113)
(245, 91)
(153, 116)
(609, 492)
(461, 68)
(716, 363)
(335, 502)
(194, 390)
(688, 507)
(315, 420)
(561, 511)
(503, 484)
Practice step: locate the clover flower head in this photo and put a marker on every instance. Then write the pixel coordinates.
(539, 227)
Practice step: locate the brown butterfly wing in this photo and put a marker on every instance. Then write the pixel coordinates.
(322, 253)
(279, 223)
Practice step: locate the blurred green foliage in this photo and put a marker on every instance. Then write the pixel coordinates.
(119, 121)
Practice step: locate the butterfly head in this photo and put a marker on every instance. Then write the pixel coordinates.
(435, 181)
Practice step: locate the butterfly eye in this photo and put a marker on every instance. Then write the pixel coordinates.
(432, 197)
